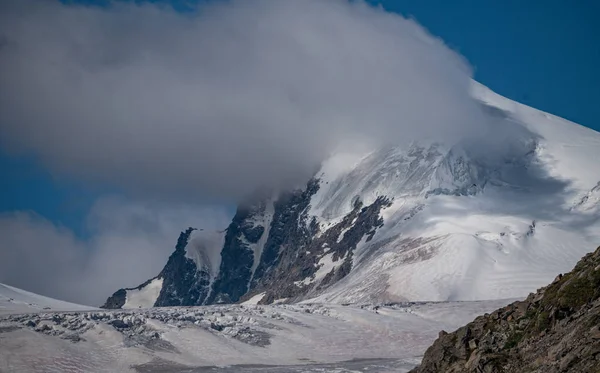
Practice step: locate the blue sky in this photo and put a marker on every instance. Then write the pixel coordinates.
(542, 53)
(26, 185)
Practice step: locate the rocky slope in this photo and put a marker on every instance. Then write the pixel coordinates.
(420, 221)
(556, 329)
(291, 250)
(181, 283)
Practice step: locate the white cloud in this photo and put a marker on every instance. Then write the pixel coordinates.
(130, 243)
(243, 93)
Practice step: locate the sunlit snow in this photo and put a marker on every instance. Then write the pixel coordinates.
(144, 297)
(460, 229)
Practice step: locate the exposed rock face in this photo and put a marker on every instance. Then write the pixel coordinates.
(239, 273)
(183, 283)
(289, 226)
(556, 329)
(271, 246)
(291, 247)
(117, 300)
(301, 252)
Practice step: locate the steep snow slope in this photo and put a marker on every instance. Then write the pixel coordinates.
(569, 151)
(459, 228)
(14, 300)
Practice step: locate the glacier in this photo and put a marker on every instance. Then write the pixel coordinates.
(223, 338)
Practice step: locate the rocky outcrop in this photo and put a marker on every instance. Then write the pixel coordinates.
(289, 225)
(293, 246)
(557, 329)
(117, 300)
(292, 274)
(237, 257)
(183, 283)
(272, 246)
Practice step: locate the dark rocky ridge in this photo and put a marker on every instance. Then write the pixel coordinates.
(183, 283)
(557, 329)
(117, 300)
(303, 247)
(237, 258)
(289, 226)
(293, 246)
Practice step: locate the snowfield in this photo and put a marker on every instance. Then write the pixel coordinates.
(14, 300)
(230, 338)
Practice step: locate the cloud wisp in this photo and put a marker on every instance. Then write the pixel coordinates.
(219, 102)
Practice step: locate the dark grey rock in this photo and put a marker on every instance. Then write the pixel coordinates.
(117, 300)
(292, 248)
(183, 283)
(237, 258)
(119, 324)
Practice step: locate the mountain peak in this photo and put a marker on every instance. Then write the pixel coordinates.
(481, 218)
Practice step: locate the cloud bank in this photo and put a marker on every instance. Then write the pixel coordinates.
(130, 243)
(221, 101)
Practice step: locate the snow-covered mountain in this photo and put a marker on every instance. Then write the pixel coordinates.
(420, 221)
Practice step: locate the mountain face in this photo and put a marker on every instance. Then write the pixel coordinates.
(421, 221)
(180, 283)
(553, 330)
